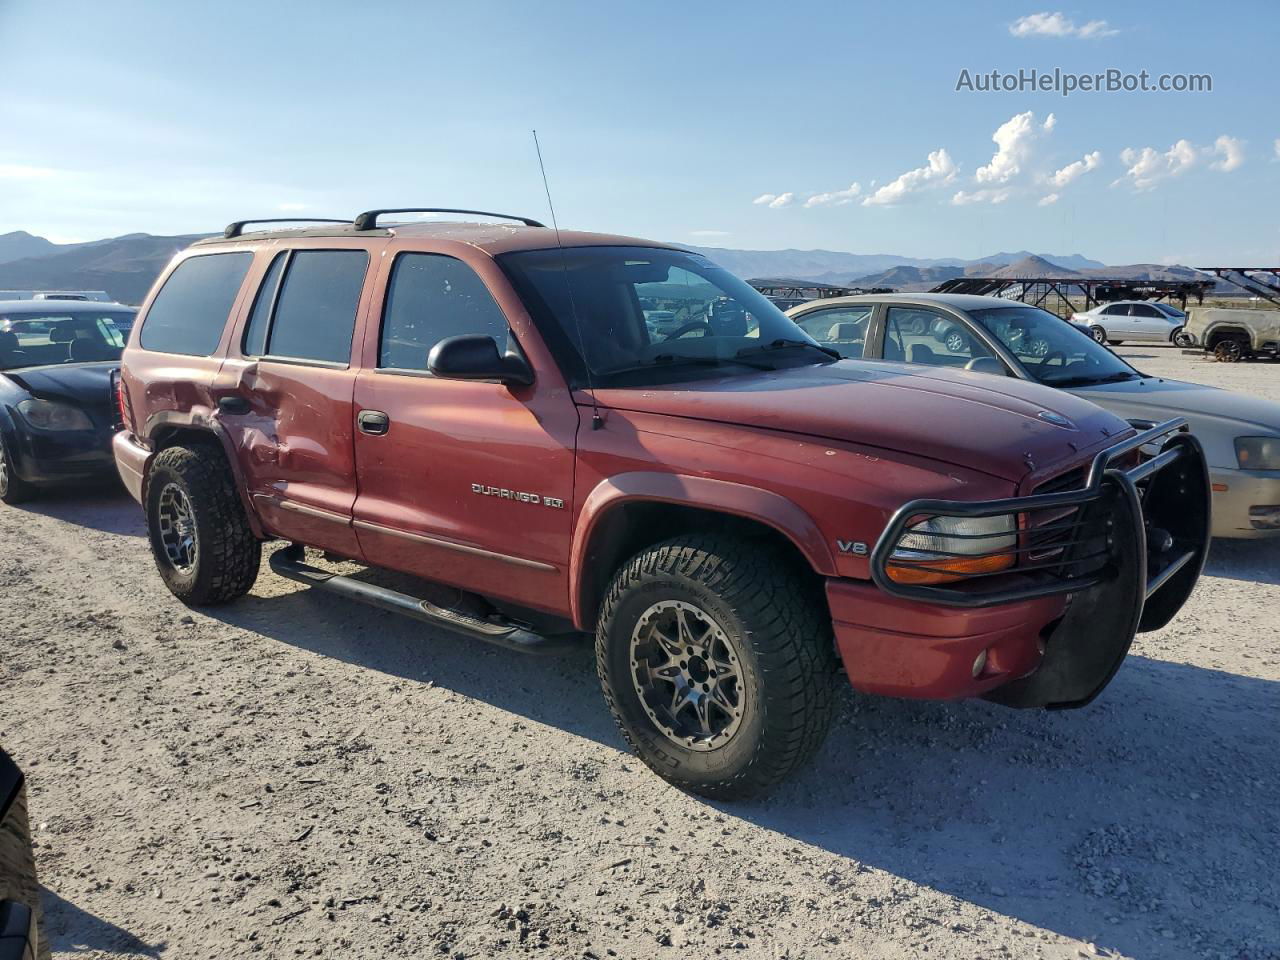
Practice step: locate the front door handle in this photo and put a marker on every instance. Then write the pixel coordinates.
(373, 422)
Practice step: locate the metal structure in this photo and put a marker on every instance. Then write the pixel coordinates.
(788, 293)
(1266, 287)
(1055, 293)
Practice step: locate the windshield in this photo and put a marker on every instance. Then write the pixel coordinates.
(1169, 311)
(652, 316)
(1051, 350)
(34, 340)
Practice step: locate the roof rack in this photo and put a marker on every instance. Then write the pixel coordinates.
(237, 228)
(369, 219)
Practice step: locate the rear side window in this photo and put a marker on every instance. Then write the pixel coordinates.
(189, 312)
(255, 335)
(432, 297)
(316, 308)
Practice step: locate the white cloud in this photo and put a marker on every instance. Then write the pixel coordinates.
(939, 170)
(1056, 25)
(963, 198)
(19, 171)
(1148, 166)
(1232, 152)
(1047, 199)
(291, 207)
(838, 198)
(1072, 171)
(1013, 140)
(774, 200)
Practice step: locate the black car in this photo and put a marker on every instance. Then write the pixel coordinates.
(56, 409)
(19, 891)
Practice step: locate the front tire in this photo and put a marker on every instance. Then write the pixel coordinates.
(717, 662)
(1229, 350)
(13, 489)
(200, 537)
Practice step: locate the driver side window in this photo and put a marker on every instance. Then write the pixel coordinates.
(925, 337)
(431, 297)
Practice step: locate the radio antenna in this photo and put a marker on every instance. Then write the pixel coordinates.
(596, 420)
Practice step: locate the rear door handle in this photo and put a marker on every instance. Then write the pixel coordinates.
(373, 422)
(234, 405)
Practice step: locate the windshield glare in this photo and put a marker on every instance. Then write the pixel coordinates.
(649, 315)
(1053, 351)
(36, 340)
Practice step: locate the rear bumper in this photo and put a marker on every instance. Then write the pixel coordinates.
(132, 461)
(1240, 511)
(903, 648)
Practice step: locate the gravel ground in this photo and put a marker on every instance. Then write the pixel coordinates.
(295, 776)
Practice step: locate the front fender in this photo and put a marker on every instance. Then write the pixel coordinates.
(752, 503)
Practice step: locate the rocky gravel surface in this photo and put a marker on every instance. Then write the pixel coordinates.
(294, 776)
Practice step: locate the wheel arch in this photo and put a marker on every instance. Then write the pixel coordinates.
(168, 434)
(1226, 331)
(626, 513)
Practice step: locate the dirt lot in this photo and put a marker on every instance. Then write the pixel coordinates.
(294, 776)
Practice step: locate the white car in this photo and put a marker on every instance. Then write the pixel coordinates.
(1114, 323)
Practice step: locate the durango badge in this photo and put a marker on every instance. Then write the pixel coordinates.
(520, 495)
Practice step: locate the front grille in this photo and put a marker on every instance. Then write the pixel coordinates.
(1050, 531)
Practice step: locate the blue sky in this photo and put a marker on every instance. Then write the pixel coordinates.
(664, 120)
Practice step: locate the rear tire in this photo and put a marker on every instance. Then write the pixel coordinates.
(13, 489)
(757, 705)
(1229, 350)
(200, 537)
(1098, 334)
(1114, 343)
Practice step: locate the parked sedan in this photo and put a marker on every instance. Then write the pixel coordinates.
(56, 409)
(1123, 320)
(1240, 433)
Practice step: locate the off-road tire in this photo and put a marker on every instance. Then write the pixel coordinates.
(13, 489)
(779, 625)
(226, 563)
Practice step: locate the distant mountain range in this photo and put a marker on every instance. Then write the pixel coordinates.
(127, 266)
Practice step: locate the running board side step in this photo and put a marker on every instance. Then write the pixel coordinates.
(289, 564)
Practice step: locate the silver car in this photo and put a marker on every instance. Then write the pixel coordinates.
(991, 335)
(1114, 323)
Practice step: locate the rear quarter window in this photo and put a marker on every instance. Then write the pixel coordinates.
(189, 312)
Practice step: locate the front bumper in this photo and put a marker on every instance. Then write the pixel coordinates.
(51, 457)
(1123, 554)
(1240, 510)
(132, 460)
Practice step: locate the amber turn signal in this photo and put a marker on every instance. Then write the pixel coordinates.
(946, 569)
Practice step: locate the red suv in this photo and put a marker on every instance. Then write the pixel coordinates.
(595, 433)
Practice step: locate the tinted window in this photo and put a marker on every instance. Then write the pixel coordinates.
(189, 312)
(921, 336)
(1116, 310)
(255, 335)
(1145, 310)
(430, 298)
(844, 328)
(316, 309)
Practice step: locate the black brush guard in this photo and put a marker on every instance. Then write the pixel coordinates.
(1127, 545)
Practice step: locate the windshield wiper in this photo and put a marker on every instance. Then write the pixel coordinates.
(670, 360)
(783, 343)
(1119, 377)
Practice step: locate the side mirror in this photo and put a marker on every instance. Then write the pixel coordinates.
(476, 357)
(987, 365)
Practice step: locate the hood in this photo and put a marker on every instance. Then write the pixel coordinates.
(1000, 426)
(1173, 397)
(84, 384)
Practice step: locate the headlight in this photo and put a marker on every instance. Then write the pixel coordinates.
(1258, 453)
(945, 549)
(47, 415)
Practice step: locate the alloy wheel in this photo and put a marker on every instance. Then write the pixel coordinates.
(177, 523)
(1099, 334)
(1228, 351)
(4, 472)
(688, 675)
